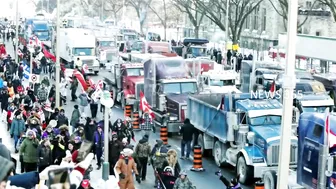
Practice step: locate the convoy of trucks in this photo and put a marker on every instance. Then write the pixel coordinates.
(106, 50)
(78, 43)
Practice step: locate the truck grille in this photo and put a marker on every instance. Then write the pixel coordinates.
(273, 154)
(88, 62)
(139, 87)
(109, 56)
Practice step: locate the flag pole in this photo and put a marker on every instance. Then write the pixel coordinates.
(288, 89)
(58, 55)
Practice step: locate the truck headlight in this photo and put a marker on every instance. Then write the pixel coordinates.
(257, 160)
(173, 118)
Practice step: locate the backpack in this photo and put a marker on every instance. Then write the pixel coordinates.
(143, 150)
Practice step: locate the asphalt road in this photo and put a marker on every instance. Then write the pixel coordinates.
(206, 179)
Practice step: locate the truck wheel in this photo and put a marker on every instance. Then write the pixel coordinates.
(270, 180)
(245, 171)
(219, 152)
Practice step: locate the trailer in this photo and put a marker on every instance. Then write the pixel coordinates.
(242, 130)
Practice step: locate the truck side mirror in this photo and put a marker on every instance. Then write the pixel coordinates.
(330, 166)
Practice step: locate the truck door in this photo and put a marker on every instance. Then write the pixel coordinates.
(310, 156)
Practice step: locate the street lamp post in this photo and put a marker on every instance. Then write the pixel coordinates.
(102, 10)
(17, 32)
(227, 28)
(58, 38)
(48, 6)
(288, 86)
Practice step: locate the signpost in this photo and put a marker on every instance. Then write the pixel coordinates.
(34, 78)
(108, 102)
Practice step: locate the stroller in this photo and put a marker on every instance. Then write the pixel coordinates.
(166, 178)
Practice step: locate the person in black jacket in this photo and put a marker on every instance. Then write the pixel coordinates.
(233, 184)
(187, 131)
(44, 154)
(115, 147)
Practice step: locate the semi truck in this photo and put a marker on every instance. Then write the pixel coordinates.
(192, 48)
(316, 157)
(106, 50)
(78, 43)
(41, 29)
(167, 85)
(127, 79)
(242, 130)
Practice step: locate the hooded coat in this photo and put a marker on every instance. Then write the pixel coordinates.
(28, 149)
(143, 149)
(17, 127)
(126, 165)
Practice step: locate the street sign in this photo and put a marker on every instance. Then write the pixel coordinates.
(34, 78)
(106, 99)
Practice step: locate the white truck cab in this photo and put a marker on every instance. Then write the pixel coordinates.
(79, 43)
(220, 81)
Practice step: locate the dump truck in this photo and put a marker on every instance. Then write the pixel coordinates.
(167, 86)
(242, 130)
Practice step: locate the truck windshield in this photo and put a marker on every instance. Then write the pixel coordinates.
(220, 83)
(265, 120)
(130, 37)
(318, 109)
(180, 88)
(82, 51)
(198, 51)
(42, 35)
(135, 72)
(106, 43)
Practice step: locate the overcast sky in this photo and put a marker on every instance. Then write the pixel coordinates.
(26, 8)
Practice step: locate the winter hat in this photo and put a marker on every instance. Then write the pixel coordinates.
(183, 172)
(159, 142)
(6, 166)
(130, 146)
(53, 123)
(127, 152)
(4, 152)
(85, 183)
(76, 106)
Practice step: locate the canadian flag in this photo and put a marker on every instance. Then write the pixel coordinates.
(144, 106)
(330, 134)
(99, 84)
(85, 68)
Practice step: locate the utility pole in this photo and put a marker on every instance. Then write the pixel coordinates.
(42, 6)
(48, 6)
(102, 11)
(17, 32)
(288, 87)
(227, 28)
(58, 54)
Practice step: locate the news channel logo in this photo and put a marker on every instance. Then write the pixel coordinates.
(280, 94)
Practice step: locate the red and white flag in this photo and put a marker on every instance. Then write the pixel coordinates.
(144, 106)
(99, 84)
(221, 104)
(330, 134)
(80, 79)
(91, 83)
(47, 54)
(85, 68)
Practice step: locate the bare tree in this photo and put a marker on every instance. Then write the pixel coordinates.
(239, 10)
(141, 9)
(332, 5)
(165, 11)
(281, 7)
(195, 15)
(110, 6)
(52, 5)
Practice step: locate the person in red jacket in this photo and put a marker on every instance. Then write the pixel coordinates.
(2, 50)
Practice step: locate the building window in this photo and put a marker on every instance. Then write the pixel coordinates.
(318, 33)
(263, 26)
(256, 19)
(248, 20)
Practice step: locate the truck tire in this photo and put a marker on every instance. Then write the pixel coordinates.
(218, 152)
(245, 171)
(270, 180)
